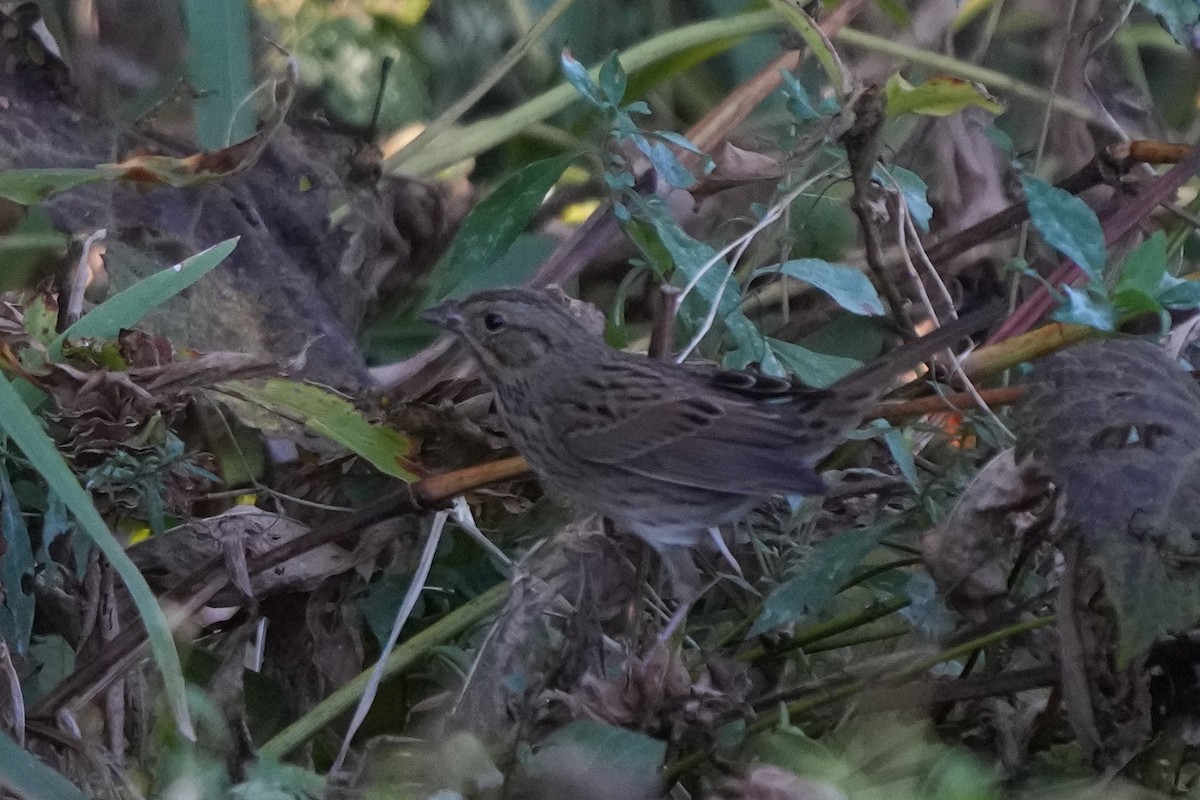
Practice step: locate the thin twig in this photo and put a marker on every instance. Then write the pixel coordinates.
(862, 141)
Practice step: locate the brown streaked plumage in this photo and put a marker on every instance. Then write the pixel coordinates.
(672, 451)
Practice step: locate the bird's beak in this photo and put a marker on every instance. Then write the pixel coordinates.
(447, 314)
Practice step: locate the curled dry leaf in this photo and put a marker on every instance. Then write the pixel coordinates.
(548, 633)
(970, 554)
(238, 533)
(657, 694)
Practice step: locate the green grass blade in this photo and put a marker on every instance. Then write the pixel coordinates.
(123, 310)
(219, 65)
(24, 774)
(19, 423)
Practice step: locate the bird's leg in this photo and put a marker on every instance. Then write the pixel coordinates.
(685, 607)
(719, 541)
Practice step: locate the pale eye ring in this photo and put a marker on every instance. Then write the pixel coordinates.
(493, 321)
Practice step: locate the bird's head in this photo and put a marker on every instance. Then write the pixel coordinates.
(520, 331)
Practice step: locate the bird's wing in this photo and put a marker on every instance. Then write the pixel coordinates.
(685, 433)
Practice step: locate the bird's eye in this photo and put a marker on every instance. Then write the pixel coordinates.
(493, 321)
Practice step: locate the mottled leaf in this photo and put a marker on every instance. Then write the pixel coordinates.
(1116, 426)
(332, 417)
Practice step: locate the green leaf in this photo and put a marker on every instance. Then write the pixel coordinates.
(267, 779)
(41, 319)
(1134, 301)
(1067, 224)
(25, 774)
(30, 250)
(123, 310)
(1146, 266)
(219, 67)
(399, 336)
(690, 256)
(1177, 16)
(821, 576)
(1086, 308)
(613, 79)
(332, 417)
(796, 98)
(477, 259)
(663, 159)
(749, 345)
(1146, 285)
(617, 748)
(16, 612)
(26, 432)
(901, 451)
(491, 228)
(845, 285)
(817, 41)
(577, 75)
(814, 369)
(1185, 294)
(938, 97)
(914, 192)
(29, 186)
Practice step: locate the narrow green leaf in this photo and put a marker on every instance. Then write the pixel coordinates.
(1134, 301)
(16, 612)
(26, 432)
(123, 310)
(817, 41)
(938, 97)
(1067, 224)
(332, 417)
(219, 66)
(30, 250)
(24, 774)
(845, 285)
(475, 260)
(901, 451)
(29, 186)
(492, 227)
(821, 576)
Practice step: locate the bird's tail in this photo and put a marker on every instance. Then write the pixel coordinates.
(883, 371)
(849, 399)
